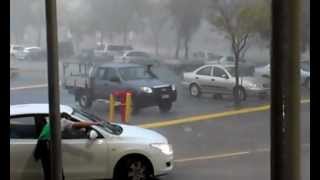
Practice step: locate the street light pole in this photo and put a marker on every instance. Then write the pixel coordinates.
(285, 90)
(53, 89)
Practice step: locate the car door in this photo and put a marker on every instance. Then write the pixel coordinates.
(203, 77)
(106, 82)
(84, 158)
(23, 139)
(222, 82)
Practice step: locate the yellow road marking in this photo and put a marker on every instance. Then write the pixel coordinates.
(210, 116)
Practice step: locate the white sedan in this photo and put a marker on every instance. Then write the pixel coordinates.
(100, 152)
(138, 57)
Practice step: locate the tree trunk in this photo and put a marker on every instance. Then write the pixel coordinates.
(157, 46)
(176, 56)
(156, 43)
(236, 98)
(111, 37)
(39, 37)
(186, 48)
(101, 37)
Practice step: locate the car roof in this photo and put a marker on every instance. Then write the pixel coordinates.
(120, 65)
(22, 109)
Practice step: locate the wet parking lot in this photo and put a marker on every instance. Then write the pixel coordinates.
(210, 138)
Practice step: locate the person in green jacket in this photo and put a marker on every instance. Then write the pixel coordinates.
(42, 150)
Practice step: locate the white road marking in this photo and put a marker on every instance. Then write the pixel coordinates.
(30, 87)
(227, 155)
(212, 157)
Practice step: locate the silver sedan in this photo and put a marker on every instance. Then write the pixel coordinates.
(220, 79)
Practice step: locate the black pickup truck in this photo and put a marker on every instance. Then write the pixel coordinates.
(90, 82)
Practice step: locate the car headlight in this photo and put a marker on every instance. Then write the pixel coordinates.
(253, 85)
(164, 148)
(173, 87)
(146, 89)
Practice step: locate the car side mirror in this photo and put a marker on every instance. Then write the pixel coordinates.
(93, 134)
(115, 79)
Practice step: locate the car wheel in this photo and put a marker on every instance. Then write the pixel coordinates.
(84, 100)
(134, 169)
(165, 107)
(195, 90)
(307, 83)
(241, 93)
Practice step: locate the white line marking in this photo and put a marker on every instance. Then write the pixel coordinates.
(213, 157)
(29, 87)
(226, 155)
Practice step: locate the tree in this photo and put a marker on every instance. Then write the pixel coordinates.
(38, 17)
(187, 16)
(239, 20)
(156, 17)
(77, 16)
(20, 15)
(115, 16)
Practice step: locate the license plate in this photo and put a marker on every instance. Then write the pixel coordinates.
(165, 96)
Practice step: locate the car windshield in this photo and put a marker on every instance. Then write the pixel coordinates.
(243, 71)
(111, 128)
(135, 73)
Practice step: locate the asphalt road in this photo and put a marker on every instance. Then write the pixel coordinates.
(225, 145)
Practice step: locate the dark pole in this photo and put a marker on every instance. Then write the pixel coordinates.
(285, 92)
(53, 88)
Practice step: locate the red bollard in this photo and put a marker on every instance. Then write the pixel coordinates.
(122, 97)
(123, 106)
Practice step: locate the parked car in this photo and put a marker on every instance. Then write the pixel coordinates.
(264, 71)
(33, 53)
(92, 82)
(116, 51)
(104, 151)
(17, 51)
(225, 60)
(305, 73)
(86, 55)
(206, 56)
(220, 79)
(138, 57)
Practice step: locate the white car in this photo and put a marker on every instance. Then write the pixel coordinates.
(17, 51)
(138, 57)
(264, 71)
(108, 151)
(224, 60)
